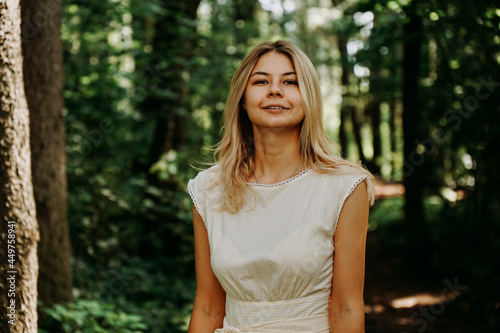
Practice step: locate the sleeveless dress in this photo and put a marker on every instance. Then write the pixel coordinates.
(274, 257)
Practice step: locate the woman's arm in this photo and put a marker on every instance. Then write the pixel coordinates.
(209, 306)
(347, 307)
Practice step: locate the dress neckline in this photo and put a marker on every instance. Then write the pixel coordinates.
(281, 182)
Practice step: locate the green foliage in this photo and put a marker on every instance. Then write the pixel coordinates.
(87, 316)
(121, 224)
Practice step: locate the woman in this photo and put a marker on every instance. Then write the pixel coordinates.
(265, 215)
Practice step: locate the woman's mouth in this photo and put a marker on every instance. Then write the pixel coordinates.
(275, 108)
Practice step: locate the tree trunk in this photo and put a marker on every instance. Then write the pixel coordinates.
(356, 128)
(43, 78)
(171, 40)
(373, 110)
(394, 136)
(412, 169)
(343, 131)
(244, 11)
(167, 103)
(19, 271)
(344, 107)
(347, 109)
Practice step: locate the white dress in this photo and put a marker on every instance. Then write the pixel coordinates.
(274, 258)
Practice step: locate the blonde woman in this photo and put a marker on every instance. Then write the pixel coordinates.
(280, 223)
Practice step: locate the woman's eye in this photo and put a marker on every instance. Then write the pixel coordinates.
(260, 82)
(291, 82)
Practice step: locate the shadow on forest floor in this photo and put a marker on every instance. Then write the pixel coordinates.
(397, 302)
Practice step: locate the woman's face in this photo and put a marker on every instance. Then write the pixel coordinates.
(272, 96)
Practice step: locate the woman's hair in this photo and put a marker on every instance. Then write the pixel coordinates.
(234, 153)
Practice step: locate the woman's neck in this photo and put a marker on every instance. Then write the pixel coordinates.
(277, 156)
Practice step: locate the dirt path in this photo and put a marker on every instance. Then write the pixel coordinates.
(396, 303)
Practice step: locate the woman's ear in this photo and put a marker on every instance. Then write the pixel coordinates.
(243, 103)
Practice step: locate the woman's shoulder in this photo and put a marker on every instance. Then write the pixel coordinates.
(208, 172)
(345, 178)
(203, 187)
(346, 170)
(336, 177)
(207, 176)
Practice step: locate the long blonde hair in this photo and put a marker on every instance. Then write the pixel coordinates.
(234, 153)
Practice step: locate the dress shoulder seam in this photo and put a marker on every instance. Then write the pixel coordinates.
(191, 193)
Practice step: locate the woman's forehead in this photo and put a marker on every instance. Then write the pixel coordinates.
(274, 63)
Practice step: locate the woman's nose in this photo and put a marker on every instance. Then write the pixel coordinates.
(275, 90)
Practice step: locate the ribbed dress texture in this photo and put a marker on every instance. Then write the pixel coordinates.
(274, 257)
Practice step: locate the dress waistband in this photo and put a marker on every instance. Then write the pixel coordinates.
(306, 314)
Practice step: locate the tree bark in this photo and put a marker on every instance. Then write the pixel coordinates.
(43, 78)
(17, 202)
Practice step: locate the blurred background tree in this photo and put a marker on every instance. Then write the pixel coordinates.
(43, 77)
(410, 88)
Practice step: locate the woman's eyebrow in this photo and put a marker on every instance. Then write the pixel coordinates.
(267, 74)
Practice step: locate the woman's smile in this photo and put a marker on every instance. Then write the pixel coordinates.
(276, 109)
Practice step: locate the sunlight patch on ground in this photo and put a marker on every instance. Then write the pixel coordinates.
(423, 299)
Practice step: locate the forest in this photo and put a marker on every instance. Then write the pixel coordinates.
(109, 107)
